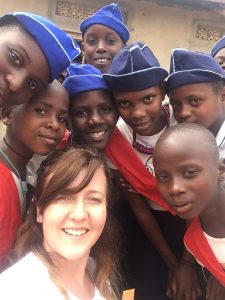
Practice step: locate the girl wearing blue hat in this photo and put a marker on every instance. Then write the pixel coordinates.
(218, 52)
(34, 51)
(93, 115)
(137, 81)
(36, 126)
(104, 35)
(196, 88)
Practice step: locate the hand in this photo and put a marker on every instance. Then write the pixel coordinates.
(214, 290)
(125, 186)
(184, 284)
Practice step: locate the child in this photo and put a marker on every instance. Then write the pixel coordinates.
(196, 88)
(104, 35)
(93, 115)
(218, 52)
(69, 241)
(190, 180)
(33, 52)
(137, 81)
(34, 127)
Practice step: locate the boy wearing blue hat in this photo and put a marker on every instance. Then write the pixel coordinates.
(104, 35)
(218, 52)
(196, 88)
(93, 115)
(137, 81)
(34, 51)
(36, 126)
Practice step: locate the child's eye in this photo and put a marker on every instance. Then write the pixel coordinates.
(174, 104)
(16, 58)
(189, 173)
(148, 99)
(41, 111)
(196, 101)
(162, 177)
(62, 119)
(123, 104)
(106, 110)
(111, 42)
(80, 114)
(32, 85)
(91, 42)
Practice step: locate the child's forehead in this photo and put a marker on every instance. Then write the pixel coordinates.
(100, 30)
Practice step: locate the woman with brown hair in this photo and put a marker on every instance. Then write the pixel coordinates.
(67, 243)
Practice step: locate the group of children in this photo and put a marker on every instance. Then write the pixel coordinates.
(114, 102)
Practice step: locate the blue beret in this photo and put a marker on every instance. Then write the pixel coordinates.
(188, 67)
(218, 46)
(83, 78)
(109, 16)
(58, 47)
(135, 68)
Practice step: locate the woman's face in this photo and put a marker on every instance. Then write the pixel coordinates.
(73, 224)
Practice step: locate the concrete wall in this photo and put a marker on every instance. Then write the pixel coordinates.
(162, 27)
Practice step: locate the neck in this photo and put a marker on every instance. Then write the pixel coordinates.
(18, 161)
(215, 127)
(212, 219)
(73, 275)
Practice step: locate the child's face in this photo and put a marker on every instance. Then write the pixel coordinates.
(100, 46)
(197, 103)
(187, 176)
(23, 67)
(141, 110)
(39, 125)
(220, 58)
(92, 118)
(72, 225)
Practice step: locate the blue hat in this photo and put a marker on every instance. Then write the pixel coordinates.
(188, 67)
(109, 16)
(220, 44)
(58, 47)
(83, 78)
(135, 68)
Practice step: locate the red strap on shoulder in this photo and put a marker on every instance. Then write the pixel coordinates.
(122, 155)
(197, 244)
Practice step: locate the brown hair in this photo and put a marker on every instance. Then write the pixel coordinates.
(64, 166)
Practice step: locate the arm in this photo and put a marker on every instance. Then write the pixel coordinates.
(214, 290)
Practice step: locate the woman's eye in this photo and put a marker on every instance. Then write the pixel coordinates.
(94, 200)
(16, 58)
(32, 85)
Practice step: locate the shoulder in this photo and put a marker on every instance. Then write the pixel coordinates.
(20, 280)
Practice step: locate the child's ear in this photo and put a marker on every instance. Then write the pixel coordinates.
(163, 89)
(6, 115)
(83, 54)
(223, 96)
(39, 215)
(222, 169)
